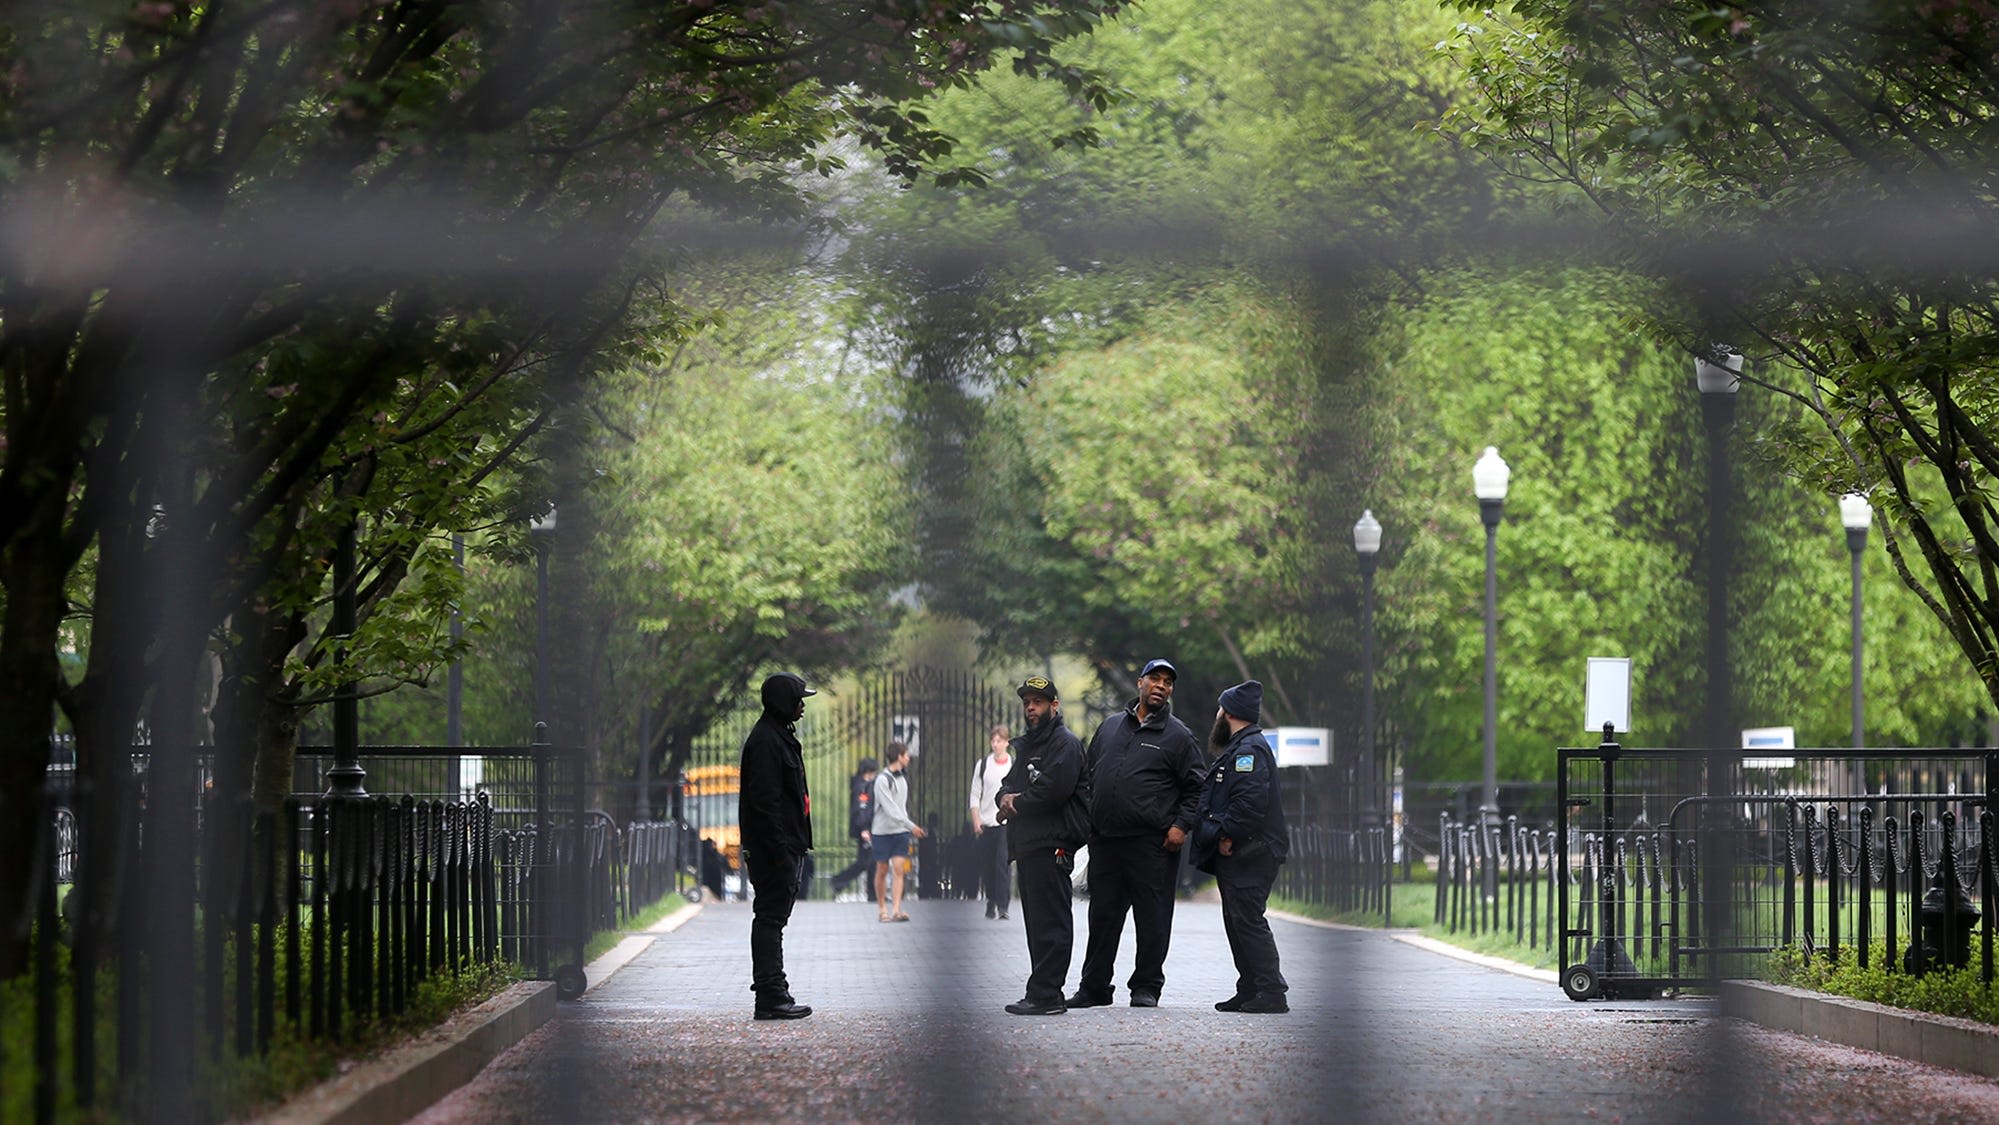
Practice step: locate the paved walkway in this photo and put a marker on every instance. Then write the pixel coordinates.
(909, 1027)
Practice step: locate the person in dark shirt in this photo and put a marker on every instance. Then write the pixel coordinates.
(1145, 773)
(1043, 809)
(775, 812)
(1240, 838)
(860, 827)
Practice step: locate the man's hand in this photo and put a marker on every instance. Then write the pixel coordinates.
(917, 831)
(1175, 838)
(1005, 807)
(867, 837)
(1228, 846)
(978, 828)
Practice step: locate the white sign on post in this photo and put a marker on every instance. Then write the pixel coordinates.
(1302, 746)
(1607, 694)
(1769, 738)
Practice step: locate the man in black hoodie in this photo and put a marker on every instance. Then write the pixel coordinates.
(1043, 808)
(1146, 774)
(776, 817)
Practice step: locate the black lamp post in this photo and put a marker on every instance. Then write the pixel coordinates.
(1717, 383)
(1489, 480)
(1367, 545)
(346, 776)
(1857, 515)
(541, 530)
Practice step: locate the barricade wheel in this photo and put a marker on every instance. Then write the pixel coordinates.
(1579, 981)
(569, 982)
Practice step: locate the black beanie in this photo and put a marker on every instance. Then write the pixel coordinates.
(1244, 701)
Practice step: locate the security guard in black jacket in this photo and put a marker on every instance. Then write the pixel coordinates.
(1240, 839)
(775, 812)
(1043, 806)
(1145, 773)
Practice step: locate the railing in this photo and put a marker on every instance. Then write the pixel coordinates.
(1683, 867)
(312, 921)
(1347, 869)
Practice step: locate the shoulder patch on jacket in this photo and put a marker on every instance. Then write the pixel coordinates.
(1244, 763)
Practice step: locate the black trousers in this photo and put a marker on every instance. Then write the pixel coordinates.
(993, 866)
(1134, 875)
(1045, 895)
(1245, 883)
(775, 879)
(863, 868)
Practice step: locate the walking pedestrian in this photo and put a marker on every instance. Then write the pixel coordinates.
(1043, 806)
(1145, 773)
(860, 828)
(775, 812)
(892, 831)
(1240, 839)
(990, 834)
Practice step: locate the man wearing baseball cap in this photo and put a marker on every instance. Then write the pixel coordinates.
(1240, 839)
(1042, 805)
(1145, 773)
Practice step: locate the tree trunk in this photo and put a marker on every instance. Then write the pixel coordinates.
(32, 570)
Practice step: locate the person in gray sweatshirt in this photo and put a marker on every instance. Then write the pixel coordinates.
(893, 830)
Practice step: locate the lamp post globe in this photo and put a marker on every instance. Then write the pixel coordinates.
(1490, 479)
(1367, 545)
(1857, 515)
(541, 531)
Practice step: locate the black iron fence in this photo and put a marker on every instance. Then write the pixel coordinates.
(1349, 870)
(311, 921)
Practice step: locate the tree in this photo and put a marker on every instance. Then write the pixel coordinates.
(1768, 160)
(293, 214)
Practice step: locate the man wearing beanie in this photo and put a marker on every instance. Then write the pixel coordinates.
(1044, 809)
(1145, 775)
(1240, 838)
(776, 814)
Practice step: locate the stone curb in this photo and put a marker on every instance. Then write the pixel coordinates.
(1945, 1041)
(1411, 937)
(406, 1080)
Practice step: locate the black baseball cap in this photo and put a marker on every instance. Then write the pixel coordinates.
(1152, 666)
(1037, 685)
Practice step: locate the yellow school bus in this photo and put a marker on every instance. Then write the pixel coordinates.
(712, 796)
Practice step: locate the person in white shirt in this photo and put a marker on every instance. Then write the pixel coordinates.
(995, 872)
(893, 830)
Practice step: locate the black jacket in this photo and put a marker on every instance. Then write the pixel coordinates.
(860, 805)
(774, 809)
(1143, 778)
(1242, 802)
(1047, 773)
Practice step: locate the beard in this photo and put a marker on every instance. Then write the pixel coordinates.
(1036, 726)
(1219, 737)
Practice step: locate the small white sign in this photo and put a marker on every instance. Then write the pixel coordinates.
(1769, 738)
(1302, 746)
(908, 730)
(1607, 694)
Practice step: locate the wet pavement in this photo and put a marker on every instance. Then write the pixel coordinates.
(909, 1026)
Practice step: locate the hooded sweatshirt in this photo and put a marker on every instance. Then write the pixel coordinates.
(774, 809)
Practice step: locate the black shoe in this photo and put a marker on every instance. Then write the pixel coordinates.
(1144, 1000)
(1030, 1008)
(991, 910)
(1232, 1004)
(788, 1010)
(1265, 1002)
(1002, 915)
(1083, 999)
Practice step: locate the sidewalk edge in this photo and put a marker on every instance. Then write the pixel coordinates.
(1925, 1037)
(404, 1081)
(1411, 937)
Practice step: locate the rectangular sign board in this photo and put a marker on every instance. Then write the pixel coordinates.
(1769, 738)
(1607, 694)
(1302, 746)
